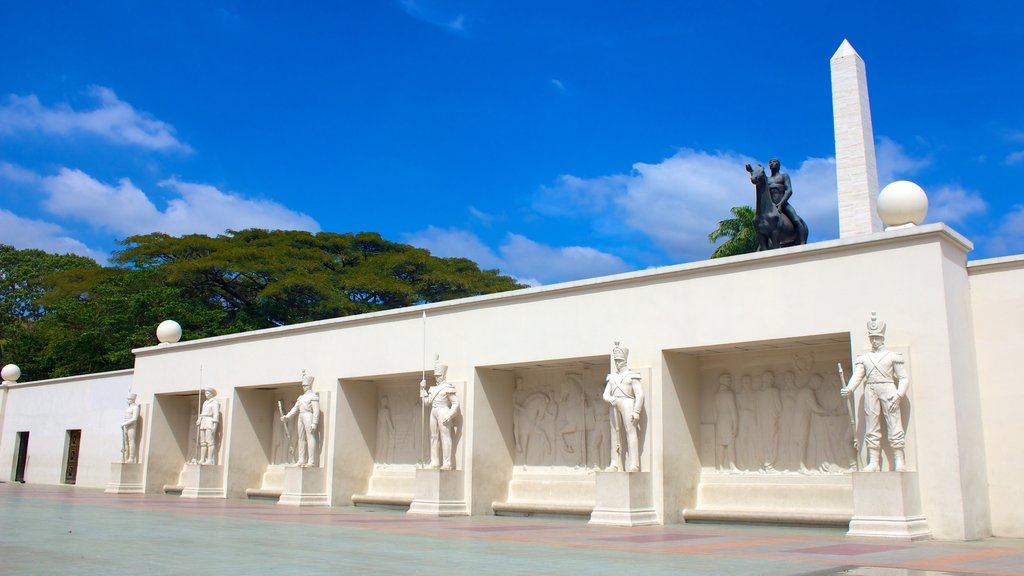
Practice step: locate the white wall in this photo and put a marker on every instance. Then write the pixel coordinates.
(47, 409)
(997, 294)
(671, 318)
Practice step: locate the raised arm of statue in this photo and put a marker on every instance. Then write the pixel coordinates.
(855, 379)
(607, 394)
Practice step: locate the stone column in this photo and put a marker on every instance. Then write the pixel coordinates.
(856, 173)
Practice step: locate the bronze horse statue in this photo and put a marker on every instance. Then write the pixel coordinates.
(772, 228)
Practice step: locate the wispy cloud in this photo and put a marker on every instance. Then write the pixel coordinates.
(429, 12)
(26, 233)
(893, 163)
(529, 261)
(124, 209)
(112, 119)
(1008, 236)
(954, 204)
(1015, 158)
(678, 201)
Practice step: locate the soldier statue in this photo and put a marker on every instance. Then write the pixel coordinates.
(129, 441)
(885, 385)
(208, 422)
(307, 406)
(622, 390)
(444, 409)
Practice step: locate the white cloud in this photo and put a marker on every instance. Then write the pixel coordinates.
(678, 201)
(112, 119)
(427, 11)
(1015, 158)
(893, 163)
(25, 233)
(953, 204)
(1008, 237)
(455, 243)
(529, 261)
(525, 257)
(15, 173)
(124, 209)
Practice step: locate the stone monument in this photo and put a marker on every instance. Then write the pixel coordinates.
(440, 488)
(126, 475)
(622, 494)
(305, 483)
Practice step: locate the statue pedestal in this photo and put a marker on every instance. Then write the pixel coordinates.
(125, 478)
(439, 493)
(623, 499)
(887, 505)
(203, 481)
(304, 487)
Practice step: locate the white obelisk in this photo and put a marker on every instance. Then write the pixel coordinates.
(856, 173)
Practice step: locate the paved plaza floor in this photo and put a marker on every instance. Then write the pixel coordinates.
(57, 530)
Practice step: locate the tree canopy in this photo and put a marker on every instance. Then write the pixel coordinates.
(64, 315)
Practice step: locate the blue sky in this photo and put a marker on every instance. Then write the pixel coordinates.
(552, 140)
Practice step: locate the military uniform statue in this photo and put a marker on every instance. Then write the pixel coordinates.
(307, 406)
(129, 441)
(885, 385)
(208, 422)
(444, 408)
(622, 390)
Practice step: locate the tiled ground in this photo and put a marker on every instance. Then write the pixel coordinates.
(66, 530)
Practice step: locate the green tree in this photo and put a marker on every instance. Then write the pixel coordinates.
(739, 232)
(23, 281)
(65, 315)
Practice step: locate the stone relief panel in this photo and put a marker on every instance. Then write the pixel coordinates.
(776, 412)
(560, 419)
(399, 426)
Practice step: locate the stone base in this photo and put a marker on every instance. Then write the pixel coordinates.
(203, 481)
(304, 487)
(439, 493)
(887, 505)
(623, 499)
(125, 478)
(816, 500)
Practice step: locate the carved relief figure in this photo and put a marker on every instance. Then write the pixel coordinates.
(769, 408)
(307, 407)
(747, 455)
(787, 458)
(208, 423)
(885, 385)
(444, 408)
(129, 441)
(573, 429)
(534, 412)
(598, 430)
(626, 397)
(726, 424)
(806, 407)
(385, 432)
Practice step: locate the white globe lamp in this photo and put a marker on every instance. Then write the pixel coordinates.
(10, 373)
(902, 204)
(168, 332)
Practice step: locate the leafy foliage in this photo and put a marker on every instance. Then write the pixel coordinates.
(64, 315)
(739, 231)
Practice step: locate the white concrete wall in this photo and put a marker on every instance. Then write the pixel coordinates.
(997, 297)
(673, 319)
(47, 409)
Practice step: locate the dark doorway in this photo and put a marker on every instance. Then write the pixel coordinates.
(72, 441)
(20, 456)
